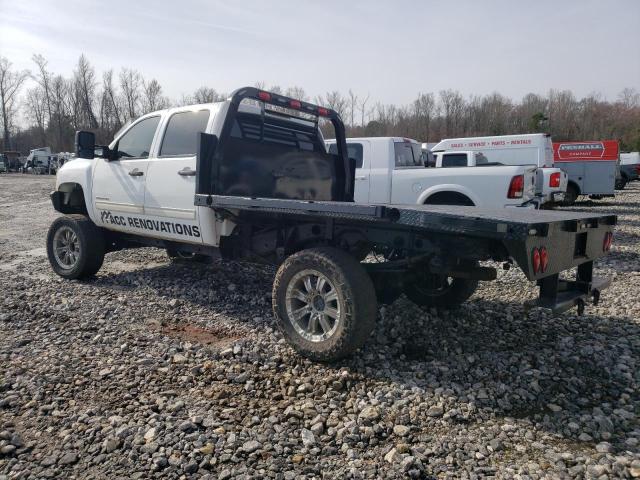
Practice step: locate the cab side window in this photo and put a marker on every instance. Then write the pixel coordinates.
(181, 135)
(454, 160)
(136, 143)
(354, 151)
(404, 155)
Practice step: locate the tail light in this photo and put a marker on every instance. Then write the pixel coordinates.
(535, 260)
(554, 179)
(516, 187)
(638, 169)
(607, 242)
(544, 259)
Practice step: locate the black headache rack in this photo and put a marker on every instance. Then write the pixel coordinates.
(270, 147)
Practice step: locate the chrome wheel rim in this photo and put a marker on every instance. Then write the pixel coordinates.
(314, 306)
(66, 248)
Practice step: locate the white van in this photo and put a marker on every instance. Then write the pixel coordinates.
(529, 149)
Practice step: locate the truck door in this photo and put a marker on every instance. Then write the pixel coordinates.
(171, 182)
(119, 184)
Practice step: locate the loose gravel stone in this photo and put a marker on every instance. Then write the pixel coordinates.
(158, 369)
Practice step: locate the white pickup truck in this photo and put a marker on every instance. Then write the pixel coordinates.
(250, 179)
(391, 170)
(528, 149)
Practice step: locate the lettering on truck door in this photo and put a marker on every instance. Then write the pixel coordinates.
(171, 183)
(119, 183)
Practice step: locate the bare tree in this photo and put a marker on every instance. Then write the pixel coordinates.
(207, 95)
(110, 109)
(152, 98)
(353, 102)
(335, 101)
(36, 111)
(130, 84)
(10, 84)
(43, 77)
(85, 86)
(363, 108)
(296, 92)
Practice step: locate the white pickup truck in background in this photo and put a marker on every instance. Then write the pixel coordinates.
(530, 149)
(392, 170)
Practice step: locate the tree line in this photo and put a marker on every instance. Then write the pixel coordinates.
(40, 107)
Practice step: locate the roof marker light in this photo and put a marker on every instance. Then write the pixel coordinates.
(265, 96)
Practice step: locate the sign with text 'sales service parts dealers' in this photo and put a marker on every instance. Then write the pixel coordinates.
(603, 150)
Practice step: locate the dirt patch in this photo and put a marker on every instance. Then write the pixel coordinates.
(218, 338)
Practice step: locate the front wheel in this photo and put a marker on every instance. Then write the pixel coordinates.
(433, 290)
(324, 302)
(75, 247)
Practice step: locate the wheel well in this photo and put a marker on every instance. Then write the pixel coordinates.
(449, 198)
(72, 198)
(574, 185)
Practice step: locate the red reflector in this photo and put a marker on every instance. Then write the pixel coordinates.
(607, 242)
(554, 179)
(638, 169)
(323, 111)
(266, 96)
(516, 187)
(535, 260)
(295, 104)
(544, 259)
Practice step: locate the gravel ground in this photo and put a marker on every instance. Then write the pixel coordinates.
(161, 370)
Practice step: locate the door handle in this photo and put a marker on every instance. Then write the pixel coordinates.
(187, 172)
(361, 177)
(135, 173)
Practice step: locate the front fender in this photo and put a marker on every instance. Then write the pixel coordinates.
(77, 172)
(449, 187)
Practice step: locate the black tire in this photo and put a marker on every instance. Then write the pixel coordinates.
(355, 300)
(430, 290)
(620, 183)
(571, 195)
(90, 242)
(179, 255)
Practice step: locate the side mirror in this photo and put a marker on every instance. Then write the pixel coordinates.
(85, 144)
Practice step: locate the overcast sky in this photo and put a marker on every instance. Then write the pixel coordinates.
(391, 49)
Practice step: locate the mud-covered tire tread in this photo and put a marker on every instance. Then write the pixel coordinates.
(92, 244)
(356, 286)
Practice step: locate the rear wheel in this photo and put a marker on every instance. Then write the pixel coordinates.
(324, 302)
(571, 195)
(620, 183)
(433, 290)
(75, 247)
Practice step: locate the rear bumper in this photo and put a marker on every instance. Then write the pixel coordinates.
(559, 295)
